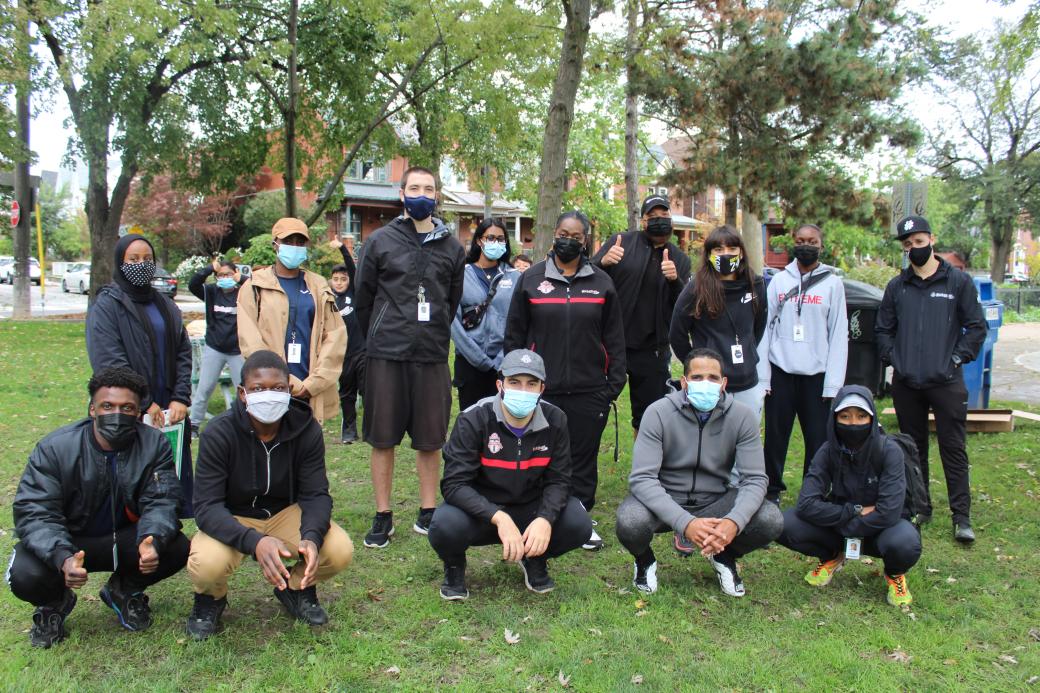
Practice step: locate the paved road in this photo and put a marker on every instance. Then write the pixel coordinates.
(59, 303)
(1016, 364)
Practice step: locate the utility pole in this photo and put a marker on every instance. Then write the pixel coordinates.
(22, 186)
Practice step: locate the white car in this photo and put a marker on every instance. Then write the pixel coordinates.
(77, 278)
(7, 271)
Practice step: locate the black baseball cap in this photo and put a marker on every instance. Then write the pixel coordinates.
(654, 201)
(912, 224)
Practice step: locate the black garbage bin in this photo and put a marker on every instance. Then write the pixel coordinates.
(862, 302)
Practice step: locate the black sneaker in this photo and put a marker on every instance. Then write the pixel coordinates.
(194, 431)
(303, 605)
(131, 608)
(645, 574)
(454, 586)
(48, 626)
(963, 532)
(348, 433)
(204, 618)
(422, 525)
(382, 529)
(536, 575)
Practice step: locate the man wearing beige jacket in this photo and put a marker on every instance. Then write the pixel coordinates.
(292, 311)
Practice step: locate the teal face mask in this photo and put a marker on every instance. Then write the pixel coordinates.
(494, 249)
(519, 403)
(703, 394)
(226, 283)
(292, 256)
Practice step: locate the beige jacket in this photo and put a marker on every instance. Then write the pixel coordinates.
(265, 329)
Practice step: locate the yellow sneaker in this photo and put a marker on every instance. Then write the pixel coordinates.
(821, 575)
(898, 592)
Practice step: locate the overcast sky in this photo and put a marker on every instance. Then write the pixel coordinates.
(49, 137)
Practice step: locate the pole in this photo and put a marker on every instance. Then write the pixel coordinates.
(22, 189)
(39, 254)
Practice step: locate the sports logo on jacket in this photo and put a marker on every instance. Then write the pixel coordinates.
(940, 294)
(546, 287)
(594, 292)
(494, 443)
(748, 298)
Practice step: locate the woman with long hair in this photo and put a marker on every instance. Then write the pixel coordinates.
(480, 321)
(723, 308)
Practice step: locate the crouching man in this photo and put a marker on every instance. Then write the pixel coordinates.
(261, 491)
(507, 472)
(688, 444)
(98, 495)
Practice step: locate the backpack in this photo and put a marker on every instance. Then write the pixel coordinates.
(918, 501)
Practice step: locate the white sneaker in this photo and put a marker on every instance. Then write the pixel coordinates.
(645, 579)
(593, 543)
(729, 578)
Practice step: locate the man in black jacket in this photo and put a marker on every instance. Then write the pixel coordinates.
(929, 325)
(507, 480)
(409, 285)
(97, 495)
(649, 273)
(261, 491)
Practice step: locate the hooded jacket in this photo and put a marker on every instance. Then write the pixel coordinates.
(574, 323)
(345, 304)
(679, 461)
(263, 313)
(67, 482)
(394, 264)
(839, 479)
(629, 275)
(487, 467)
(821, 312)
(221, 312)
(482, 346)
(924, 323)
(238, 474)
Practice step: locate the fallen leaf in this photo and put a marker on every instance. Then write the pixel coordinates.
(664, 638)
(1034, 633)
(642, 612)
(624, 590)
(951, 580)
(950, 662)
(511, 637)
(466, 638)
(374, 595)
(1008, 658)
(525, 619)
(640, 604)
(931, 570)
(181, 641)
(564, 680)
(867, 561)
(637, 679)
(443, 620)
(911, 614)
(1032, 679)
(898, 655)
(393, 671)
(596, 631)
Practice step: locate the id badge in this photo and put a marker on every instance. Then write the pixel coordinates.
(852, 548)
(424, 312)
(295, 352)
(737, 353)
(799, 333)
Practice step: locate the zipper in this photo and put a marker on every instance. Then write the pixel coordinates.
(112, 486)
(267, 490)
(379, 319)
(697, 464)
(567, 331)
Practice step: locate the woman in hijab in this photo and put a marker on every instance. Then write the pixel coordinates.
(132, 325)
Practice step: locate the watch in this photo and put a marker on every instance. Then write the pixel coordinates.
(858, 509)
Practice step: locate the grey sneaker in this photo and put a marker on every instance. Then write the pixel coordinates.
(963, 532)
(48, 622)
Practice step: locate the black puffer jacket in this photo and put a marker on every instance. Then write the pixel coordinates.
(67, 482)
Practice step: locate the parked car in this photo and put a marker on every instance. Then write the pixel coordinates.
(77, 278)
(7, 271)
(164, 282)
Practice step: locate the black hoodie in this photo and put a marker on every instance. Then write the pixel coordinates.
(839, 479)
(237, 474)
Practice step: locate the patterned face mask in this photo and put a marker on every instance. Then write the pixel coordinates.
(138, 273)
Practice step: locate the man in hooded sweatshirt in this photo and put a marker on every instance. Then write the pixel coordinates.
(854, 500)
(929, 325)
(803, 354)
(409, 285)
(690, 443)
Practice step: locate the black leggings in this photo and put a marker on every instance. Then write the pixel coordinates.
(899, 546)
(586, 418)
(38, 583)
(792, 395)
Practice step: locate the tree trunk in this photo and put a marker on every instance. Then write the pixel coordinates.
(553, 174)
(289, 177)
(751, 232)
(22, 185)
(1000, 248)
(731, 210)
(631, 119)
(485, 175)
(104, 215)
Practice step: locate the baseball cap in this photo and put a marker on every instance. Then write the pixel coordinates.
(654, 201)
(912, 224)
(288, 226)
(854, 400)
(523, 362)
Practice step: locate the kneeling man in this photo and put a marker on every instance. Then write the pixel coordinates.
(507, 473)
(98, 495)
(261, 491)
(688, 444)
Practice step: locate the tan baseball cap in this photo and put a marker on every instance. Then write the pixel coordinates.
(289, 226)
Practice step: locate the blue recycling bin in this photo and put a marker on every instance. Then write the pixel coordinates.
(978, 374)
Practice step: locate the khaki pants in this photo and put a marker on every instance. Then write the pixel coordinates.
(211, 562)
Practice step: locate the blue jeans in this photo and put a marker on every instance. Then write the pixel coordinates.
(209, 373)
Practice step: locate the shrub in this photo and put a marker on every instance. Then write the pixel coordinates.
(875, 274)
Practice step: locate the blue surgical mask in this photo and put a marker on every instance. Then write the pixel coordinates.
(703, 394)
(494, 249)
(520, 403)
(292, 256)
(226, 283)
(420, 207)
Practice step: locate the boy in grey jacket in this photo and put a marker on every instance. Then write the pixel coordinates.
(688, 445)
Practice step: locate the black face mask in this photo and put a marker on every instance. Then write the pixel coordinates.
(852, 436)
(566, 249)
(725, 264)
(118, 429)
(806, 254)
(920, 256)
(659, 227)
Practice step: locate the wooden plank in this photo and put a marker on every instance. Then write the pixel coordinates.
(982, 420)
(1029, 416)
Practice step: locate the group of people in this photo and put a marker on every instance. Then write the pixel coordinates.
(541, 354)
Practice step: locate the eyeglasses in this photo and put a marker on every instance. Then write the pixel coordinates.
(500, 239)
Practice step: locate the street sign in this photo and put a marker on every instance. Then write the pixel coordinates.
(16, 215)
(909, 198)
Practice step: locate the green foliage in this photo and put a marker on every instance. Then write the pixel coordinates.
(875, 274)
(321, 258)
(262, 211)
(189, 266)
(260, 252)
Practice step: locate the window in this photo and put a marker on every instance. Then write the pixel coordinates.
(354, 224)
(368, 171)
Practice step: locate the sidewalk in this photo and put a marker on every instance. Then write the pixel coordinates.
(1016, 365)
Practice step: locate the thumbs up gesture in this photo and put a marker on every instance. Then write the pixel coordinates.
(615, 254)
(668, 267)
(75, 573)
(148, 556)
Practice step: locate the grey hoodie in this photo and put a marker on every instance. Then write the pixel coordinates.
(825, 324)
(677, 461)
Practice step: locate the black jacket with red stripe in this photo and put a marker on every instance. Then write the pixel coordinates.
(574, 323)
(487, 467)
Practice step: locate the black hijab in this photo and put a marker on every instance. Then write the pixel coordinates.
(138, 294)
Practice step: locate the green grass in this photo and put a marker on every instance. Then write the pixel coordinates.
(971, 620)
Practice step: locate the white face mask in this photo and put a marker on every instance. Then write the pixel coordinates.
(267, 406)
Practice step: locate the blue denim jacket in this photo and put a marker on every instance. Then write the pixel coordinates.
(482, 346)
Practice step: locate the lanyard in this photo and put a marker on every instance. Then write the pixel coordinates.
(801, 296)
(293, 307)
